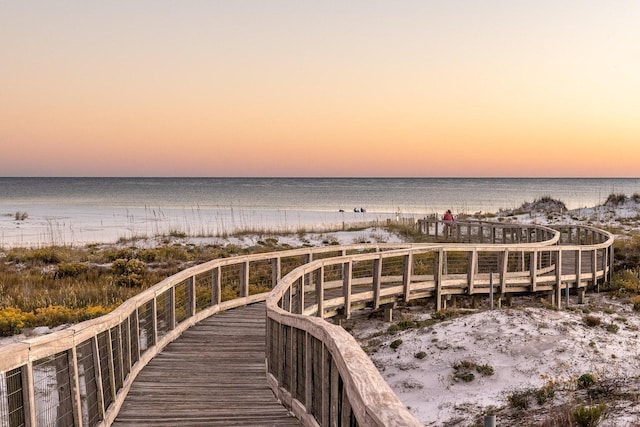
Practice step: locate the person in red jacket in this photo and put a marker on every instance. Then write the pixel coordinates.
(448, 222)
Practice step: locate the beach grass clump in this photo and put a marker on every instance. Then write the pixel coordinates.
(520, 399)
(589, 416)
(545, 393)
(615, 199)
(626, 253)
(395, 343)
(21, 215)
(464, 370)
(591, 321)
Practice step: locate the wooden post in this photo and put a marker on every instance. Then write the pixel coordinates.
(170, 306)
(377, 274)
(244, 279)
(504, 267)
(320, 290)
(334, 418)
(95, 350)
(276, 271)
(300, 294)
(533, 269)
(471, 274)
(388, 313)
(346, 287)
(28, 395)
(558, 288)
(154, 320)
(594, 269)
(216, 286)
(440, 258)
(578, 267)
(581, 295)
(111, 365)
(406, 276)
(191, 296)
(75, 386)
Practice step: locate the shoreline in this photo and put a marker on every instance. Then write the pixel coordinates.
(621, 216)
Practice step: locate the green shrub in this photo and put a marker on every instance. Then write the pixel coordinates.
(486, 370)
(589, 416)
(636, 303)
(420, 355)
(585, 380)
(545, 393)
(66, 269)
(463, 370)
(519, 399)
(591, 321)
(405, 324)
(613, 328)
(128, 273)
(625, 280)
(395, 343)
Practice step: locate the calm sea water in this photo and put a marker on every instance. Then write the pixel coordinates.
(81, 210)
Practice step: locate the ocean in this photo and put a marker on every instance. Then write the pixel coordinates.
(85, 210)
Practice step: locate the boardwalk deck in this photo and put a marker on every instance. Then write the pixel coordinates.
(213, 375)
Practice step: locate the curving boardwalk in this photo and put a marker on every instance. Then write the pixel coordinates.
(213, 375)
(201, 348)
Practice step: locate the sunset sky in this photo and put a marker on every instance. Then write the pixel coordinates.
(325, 88)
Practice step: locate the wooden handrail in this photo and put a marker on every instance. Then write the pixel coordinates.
(302, 298)
(93, 364)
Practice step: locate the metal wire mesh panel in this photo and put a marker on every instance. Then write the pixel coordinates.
(272, 346)
(299, 362)
(297, 296)
(125, 339)
(116, 356)
(288, 264)
(88, 384)
(134, 338)
(260, 276)
(333, 280)
(424, 266)
(11, 404)
(488, 262)
(204, 290)
(145, 319)
(361, 273)
(310, 295)
(164, 310)
(230, 281)
(182, 301)
(105, 369)
(316, 380)
(287, 356)
(52, 388)
(392, 271)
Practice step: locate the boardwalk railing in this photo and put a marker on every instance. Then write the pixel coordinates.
(319, 370)
(80, 376)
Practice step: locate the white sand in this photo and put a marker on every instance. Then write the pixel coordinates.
(527, 347)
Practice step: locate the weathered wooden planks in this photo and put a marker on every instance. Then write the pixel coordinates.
(213, 375)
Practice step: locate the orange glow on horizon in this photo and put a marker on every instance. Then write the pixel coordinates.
(239, 90)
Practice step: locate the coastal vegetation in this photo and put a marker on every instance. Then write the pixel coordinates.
(58, 285)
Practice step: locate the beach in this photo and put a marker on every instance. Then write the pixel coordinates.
(528, 346)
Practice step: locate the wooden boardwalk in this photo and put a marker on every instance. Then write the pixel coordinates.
(212, 375)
